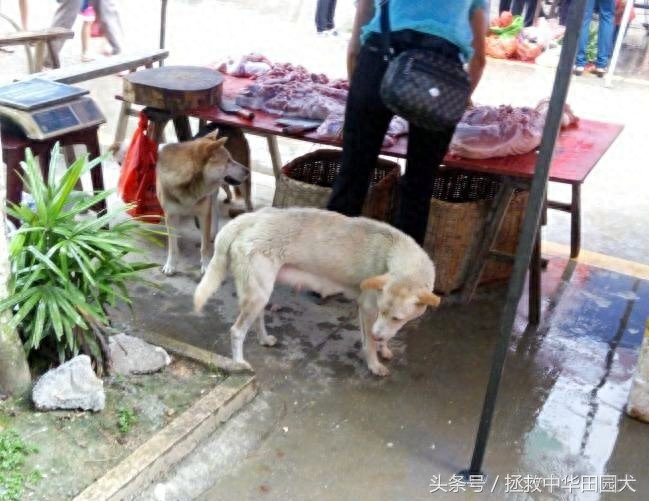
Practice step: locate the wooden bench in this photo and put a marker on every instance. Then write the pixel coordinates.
(41, 39)
(108, 66)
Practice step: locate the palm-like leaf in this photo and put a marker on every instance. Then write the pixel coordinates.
(66, 267)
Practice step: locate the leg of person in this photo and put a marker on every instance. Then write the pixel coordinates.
(110, 23)
(604, 35)
(321, 15)
(24, 13)
(504, 5)
(564, 8)
(366, 122)
(426, 151)
(64, 17)
(331, 14)
(85, 40)
(517, 7)
(580, 61)
(530, 11)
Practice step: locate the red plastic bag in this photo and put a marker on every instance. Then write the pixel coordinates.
(136, 184)
(95, 30)
(500, 47)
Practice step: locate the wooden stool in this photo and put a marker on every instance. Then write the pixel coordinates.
(13, 152)
(158, 120)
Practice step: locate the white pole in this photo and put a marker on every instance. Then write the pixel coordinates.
(608, 81)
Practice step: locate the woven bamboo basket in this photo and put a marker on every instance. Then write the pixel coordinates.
(307, 180)
(458, 211)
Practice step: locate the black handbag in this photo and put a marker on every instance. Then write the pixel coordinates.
(422, 86)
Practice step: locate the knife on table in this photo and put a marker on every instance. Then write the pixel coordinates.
(232, 108)
(297, 126)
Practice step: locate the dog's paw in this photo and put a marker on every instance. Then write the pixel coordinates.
(269, 341)
(242, 366)
(169, 269)
(379, 370)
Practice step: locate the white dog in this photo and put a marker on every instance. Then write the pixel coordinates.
(389, 275)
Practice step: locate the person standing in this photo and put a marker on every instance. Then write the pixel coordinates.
(110, 24)
(324, 17)
(106, 11)
(455, 30)
(606, 9)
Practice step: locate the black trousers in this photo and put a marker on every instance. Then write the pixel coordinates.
(366, 122)
(529, 6)
(324, 15)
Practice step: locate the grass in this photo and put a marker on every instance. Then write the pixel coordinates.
(126, 418)
(13, 473)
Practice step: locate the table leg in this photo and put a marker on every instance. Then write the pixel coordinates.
(96, 173)
(275, 157)
(13, 157)
(492, 225)
(182, 127)
(534, 293)
(122, 122)
(575, 221)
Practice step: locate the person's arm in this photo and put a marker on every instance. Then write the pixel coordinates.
(364, 12)
(479, 59)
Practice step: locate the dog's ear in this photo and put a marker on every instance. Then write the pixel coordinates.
(214, 135)
(208, 149)
(374, 283)
(429, 299)
(220, 142)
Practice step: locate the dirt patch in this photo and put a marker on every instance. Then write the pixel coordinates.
(75, 448)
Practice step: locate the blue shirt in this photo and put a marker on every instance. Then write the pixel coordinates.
(448, 19)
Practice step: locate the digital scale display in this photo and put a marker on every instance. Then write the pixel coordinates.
(55, 119)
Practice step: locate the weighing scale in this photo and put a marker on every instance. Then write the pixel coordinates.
(44, 109)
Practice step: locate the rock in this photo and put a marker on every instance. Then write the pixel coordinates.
(131, 355)
(72, 385)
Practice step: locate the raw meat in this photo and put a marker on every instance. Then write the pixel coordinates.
(487, 132)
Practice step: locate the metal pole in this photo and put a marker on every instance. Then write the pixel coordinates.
(163, 23)
(531, 223)
(624, 22)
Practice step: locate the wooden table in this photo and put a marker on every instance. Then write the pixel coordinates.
(42, 39)
(576, 153)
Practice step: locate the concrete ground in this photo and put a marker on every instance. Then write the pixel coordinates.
(322, 427)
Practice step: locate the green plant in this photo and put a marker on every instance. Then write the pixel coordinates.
(13, 451)
(66, 267)
(126, 418)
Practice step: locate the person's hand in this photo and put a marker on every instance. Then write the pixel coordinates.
(353, 50)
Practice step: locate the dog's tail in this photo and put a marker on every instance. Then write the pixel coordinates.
(217, 268)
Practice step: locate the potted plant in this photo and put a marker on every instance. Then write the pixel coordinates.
(67, 267)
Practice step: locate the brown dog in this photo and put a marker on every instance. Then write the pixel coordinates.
(188, 175)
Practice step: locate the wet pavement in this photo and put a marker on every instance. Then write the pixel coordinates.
(324, 428)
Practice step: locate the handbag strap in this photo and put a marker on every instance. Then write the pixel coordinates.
(385, 30)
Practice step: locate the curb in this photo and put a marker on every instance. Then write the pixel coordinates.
(176, 440)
